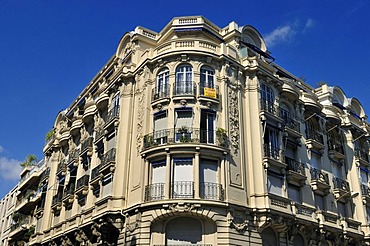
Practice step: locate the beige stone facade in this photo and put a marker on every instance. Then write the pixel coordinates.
(195, 136)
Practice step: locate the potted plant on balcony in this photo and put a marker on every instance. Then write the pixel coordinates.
(221, 137)
(49, 135)
(30, 161)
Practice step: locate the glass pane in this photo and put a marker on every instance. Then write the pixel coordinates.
(274, 185)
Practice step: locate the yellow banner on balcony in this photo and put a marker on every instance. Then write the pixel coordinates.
(210, 92)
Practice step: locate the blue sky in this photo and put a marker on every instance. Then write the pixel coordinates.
(50, 50)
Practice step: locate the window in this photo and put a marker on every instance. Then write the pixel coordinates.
(319, 202)
(160, 127)
(267, 93)
(207, 77)
(209, 185)
(269, 237)
(368, 214)
(274, 184)
(364, 175)
(183, 124)
(294, 193)
(271, 141)
(155, 191)
(207, 126)
(315, 160)
(298, 240)
(184, 231)
(107, 185)
(182, 186)
(337, 170)
(184, 80)
(162, 84)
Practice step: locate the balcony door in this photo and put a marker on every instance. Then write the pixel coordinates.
(184, 80)
(209, 180)
(183, 124)
(158, 179)
(162, 84)
(207, 126)
(160, 127)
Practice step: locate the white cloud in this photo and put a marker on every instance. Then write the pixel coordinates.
(309, 24)
(280, 34)
(1, 149)
(9, 169)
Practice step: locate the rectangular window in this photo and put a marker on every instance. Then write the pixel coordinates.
(315, 160)
(319, 202)
(107, 185)
(368, 214)
(182, 186)
(183, 124)
(294, 193)
(155, 190)
(364, 175)
(337, 170)
(207, 126)
(274, 184)
(160, 127)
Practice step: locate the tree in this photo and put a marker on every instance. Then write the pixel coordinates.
(31, 160)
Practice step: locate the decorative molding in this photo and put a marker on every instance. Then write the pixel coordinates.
(234, 118)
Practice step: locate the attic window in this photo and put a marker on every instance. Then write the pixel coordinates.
(258, 50)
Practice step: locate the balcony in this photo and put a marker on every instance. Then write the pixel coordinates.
(273, 157)
(280, 203)
(336, 150)
(365, 191)
(270, 111)
(68, 195)
(314, 140)
(362, 156)
(319, 181)
(56, 204)
(108, 161)
(161, 92)
(295, 171)
(154, 192)
(182, 189)
(82, 186)
(211, 191)
(20, 227)
(341, 188)
(185, 135)
(95, 174)
(207, 91)
(62, 168)
(86, 146)
(112, 117)
(45, 175)
(99, 134)
(292, 127)
(73, 157)
(184, 89)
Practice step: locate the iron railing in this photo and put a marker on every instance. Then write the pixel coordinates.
(70, 189)
(112, 114)
(82, 182)
(86, 144)
(269, 107)
(108, 158)
(314, 135)
(365, 190)
(184, 88)
(291, 123)
(211, 191)
(272, 152)
(294, 165)
(184, 135)
(154, 192)
(319, 175)
(62, 166)
(95, 172)
(335, 145)
(73, 155)
(100, 132)
(361, 154)
(57, 199)
(340, 184)
(182, 189)
(160, 92)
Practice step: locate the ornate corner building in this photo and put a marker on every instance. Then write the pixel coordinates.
(195, 136)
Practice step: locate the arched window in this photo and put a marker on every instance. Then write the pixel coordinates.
(162, 88)
(184, 231)
(184, 80)
(298, 240)
(269, 237)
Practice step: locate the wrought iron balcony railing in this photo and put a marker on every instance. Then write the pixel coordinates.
(291, 123)
(73, 155)
(70, 189)
(82, 182)
(62, 166)
(182, 189)
(314, 135)
(57, 199)
(99, 133)
(160, 92)
(184, 88)
(112, 114)
(272, 152)
(211, 191)
(87, 144)
(365, 190)
(362, 154)
(184, 135)
(95, 172)
(294, 165)
(319, 175)
(154, 192)
(336, 146)
(108, 158)
(269, 107)
(341, 184)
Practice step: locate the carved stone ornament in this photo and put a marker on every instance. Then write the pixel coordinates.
(66, 241)
(84, 134)
(95, 231)
(52, 243)
(140, 119)
(98, 122)
(81, 237)
(181, 207)
(72, 146)
(238, 222)
(234, 119)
